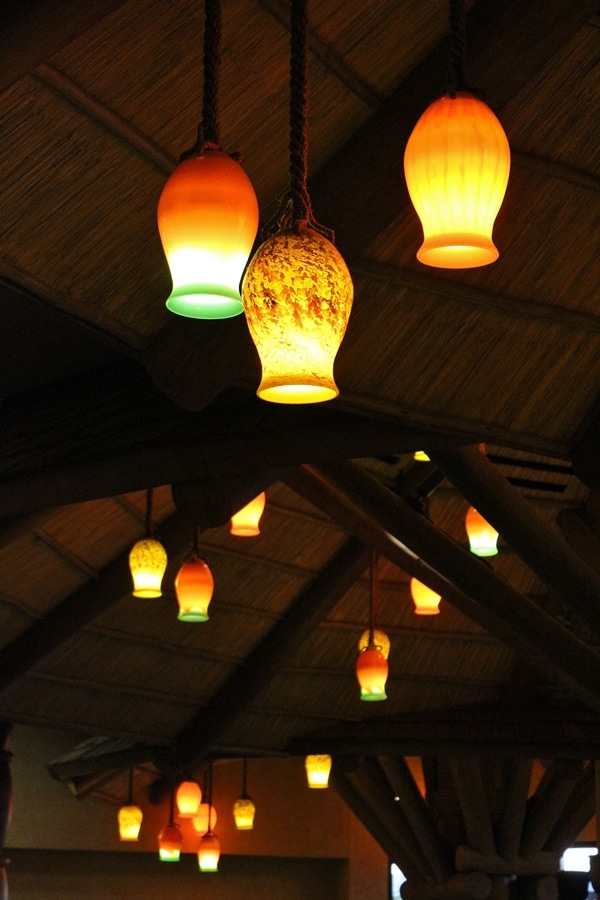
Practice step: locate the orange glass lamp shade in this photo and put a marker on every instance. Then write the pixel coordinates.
(243, 813)
(318, 767)
(245, 523)
(207, 220)
(209, 852)
(427, 602)
(170, 842)
(380, 639)
(147, 564)
(194, 587)
(456, 164)
(188, 797)
(372, 672)
(200, 820)
(297, 294)
(130, 821)
(482, 537)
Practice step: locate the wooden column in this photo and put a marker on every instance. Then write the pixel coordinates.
(474, 804)
(550, 798)
(518, 777)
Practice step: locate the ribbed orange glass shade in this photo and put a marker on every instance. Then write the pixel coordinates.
(426, 601)
(482, 537)
(456, 164)
(188, 797)
(130, 821)
(194, 587)
(207, 219)
(245, 523)
(297, 294)
(200, 820)
(380, 639)
(243, 813)
(147, 564)
(318, 767)
(170, 842)
(209, 852)
(372, 672)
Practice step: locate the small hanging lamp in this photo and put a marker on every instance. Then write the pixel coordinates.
(200, 820)
(130, 816)
(170, 840)
(147, 559)
(194, 585)
(482, 537)
(188, 797)
(208, 211)
(245, 522)
(427, 602)
(420, 456)
(209, 849)
(243, 808)
(371, 665)
(318, 767)
(297, 290)
(456, 163)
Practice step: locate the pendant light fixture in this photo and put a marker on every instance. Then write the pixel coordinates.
(209, 849)
(245, 522)
(148, 559)
(206, 810)
(482, 537)
(208, 211)
(130, 816)
(371, 665)
(297, 290)
(194, 585)
(427, 602)
(188, 797)
(318, 767)
(170, 840)
(456, 163)
(243, 808)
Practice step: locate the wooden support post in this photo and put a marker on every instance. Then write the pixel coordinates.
(518, 778)
(474, 804)
(577, 812)
(550, 798)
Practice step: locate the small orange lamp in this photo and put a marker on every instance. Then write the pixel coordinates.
(427, 602)
(209, 852)
(200, 820)
(194, 585)
(170, 840)
(130, 816)
(482, 537)
(245, 522)
(147, 560)
(318, 767)
(372, 666)
(188, 797)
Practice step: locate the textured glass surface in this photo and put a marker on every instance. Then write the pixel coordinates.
(243, 813)
(130, 820)
(318, 767)
(380, 639)
(147, 563)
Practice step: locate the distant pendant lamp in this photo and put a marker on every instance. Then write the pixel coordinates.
(188, 797)
(427, 602)
(130, 816)
(209, 849)
(371, 665)
(194, 585)
(170, 840)
(456, 163)
(297, 290)
(208, 211)
(200, 820)
(420, 456)
(148, 559)
(318, 767)
(243, 808)
(482, 537)
(245, 522)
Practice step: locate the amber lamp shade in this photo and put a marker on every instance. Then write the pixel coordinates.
(243, 813)
(207, 220)
(194, 586)
(372, 672)
(170, 842)
(318, 767)
(420, 456)
(297, 294)
(482, 537)
(147, 564)
(427, 602)
(188, 797)
(456, 164)
(380, 639)
(245, 523)
(130, 821)
(209, 852)
(200, 820)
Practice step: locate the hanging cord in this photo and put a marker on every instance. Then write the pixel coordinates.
(196, 544)
(149, 510)
(172, 807)
(208, 137)
(373, 599)
(456, 55)
(209, 780)
(245, 780)
(130, 792)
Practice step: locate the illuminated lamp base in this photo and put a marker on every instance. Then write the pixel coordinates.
(205, 301)
(483, 550)
(373, 695)
(192, 615)
(457, 251)
(270, 389)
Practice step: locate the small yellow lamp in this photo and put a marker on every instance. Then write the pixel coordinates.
(482, 536)
(243, 808)
(379, 638)
(427, 602)
(147, 559)
(245, 522)
(318, 767)
(130, 816)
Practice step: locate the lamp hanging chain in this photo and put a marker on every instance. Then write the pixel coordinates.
(456, 55)
(209, 135)
(301, 211)
(149, 511)
(196, 545)
(373, 598)
(245, 778)
(130, 791)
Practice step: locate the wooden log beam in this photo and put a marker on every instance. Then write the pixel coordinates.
(551, 796)
(460, 886)
(541, 863)
(580, 537)
(576, 814)
(517, 772)
(539, 545)
(474, 804)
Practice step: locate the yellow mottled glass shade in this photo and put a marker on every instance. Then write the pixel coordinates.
(209, 852)
(130, 820)
(380, 639)
(482, 537)
(147, 563)
(426, 601)
(456, 164)
(297, 294)
(243, 813)
(318, 767)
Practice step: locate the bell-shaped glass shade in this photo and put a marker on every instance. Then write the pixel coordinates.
(380, 639)
(209, 852)
(318, 767)
(188, 797)
(130, 820)
(170, 842)
(245, 522)
(456, 164)
(297, 294)
(420, 456)
(372, 672)
(200, 820)
(147, 564)
(194, 586)
(482, 537)
(427, 602)
(243, 813)
(207, 219)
